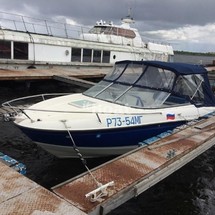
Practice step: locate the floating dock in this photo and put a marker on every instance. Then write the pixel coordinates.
(118, 180)
(135, 172)
(20, 195)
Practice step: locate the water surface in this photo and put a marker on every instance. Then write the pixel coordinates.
(189, 191)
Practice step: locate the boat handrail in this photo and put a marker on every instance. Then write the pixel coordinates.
(34, 96)
(8, 105)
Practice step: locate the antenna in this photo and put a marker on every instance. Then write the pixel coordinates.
(129, 12)
(128, 19)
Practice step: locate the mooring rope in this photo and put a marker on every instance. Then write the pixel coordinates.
(83, 160)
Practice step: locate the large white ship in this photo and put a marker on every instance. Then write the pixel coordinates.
(29, 43)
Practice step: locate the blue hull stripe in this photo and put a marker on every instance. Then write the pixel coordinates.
(100, 138)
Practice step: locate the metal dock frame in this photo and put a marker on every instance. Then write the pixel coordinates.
(138, 170)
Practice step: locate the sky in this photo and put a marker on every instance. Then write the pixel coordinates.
(188, 25)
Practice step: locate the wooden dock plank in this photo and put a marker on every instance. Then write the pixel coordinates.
(20, 195)
(38, 74)
(138, 170)
(75, 81)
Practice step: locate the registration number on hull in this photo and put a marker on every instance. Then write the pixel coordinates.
(123, 121)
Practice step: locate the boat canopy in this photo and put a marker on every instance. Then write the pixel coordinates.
(154, 84)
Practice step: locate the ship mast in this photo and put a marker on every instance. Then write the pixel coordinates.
(128, 19)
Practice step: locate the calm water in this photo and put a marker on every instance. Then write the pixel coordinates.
(191, 190)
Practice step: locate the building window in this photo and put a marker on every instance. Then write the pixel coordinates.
(20, 50)
(106, 57)
(97, 56)
(87, 54)
(76, 55)
(5, 49)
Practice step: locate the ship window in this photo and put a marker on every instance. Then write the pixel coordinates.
(97, 56)
(96, 30)
(123, 32)
(113, 31)
(128, 33)
(76, 55)
(5, 49)
(20, 50)
(87, 53)
(106, 57)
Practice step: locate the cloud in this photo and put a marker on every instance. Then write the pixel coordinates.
(195, 34)
(64, 19)
(32, 11)
(178, 21)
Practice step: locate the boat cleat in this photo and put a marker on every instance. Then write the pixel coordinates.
(97, 194)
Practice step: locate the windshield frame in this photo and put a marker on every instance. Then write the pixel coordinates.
(117, 85)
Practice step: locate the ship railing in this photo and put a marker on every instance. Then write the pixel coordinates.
(47, 27)
(62, 29)
(58, 28)
(41, 26)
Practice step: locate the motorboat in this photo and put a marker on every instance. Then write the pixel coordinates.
(135, 101)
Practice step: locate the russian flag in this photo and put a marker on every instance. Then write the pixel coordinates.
(170, 116)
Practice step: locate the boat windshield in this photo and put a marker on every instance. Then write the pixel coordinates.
(143, 86)
(110, 30)
(191, 87)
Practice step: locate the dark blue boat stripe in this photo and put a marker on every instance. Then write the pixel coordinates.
(100, 138)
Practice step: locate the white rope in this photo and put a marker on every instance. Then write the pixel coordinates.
(79, 154)
(101, 191)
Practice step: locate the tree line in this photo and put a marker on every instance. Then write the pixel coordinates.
(195, 53)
